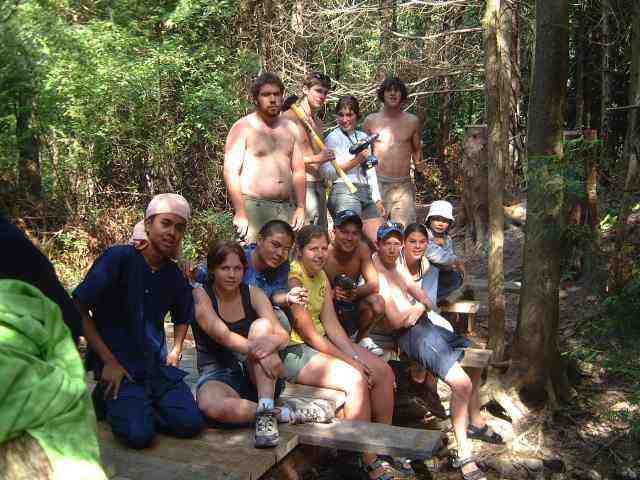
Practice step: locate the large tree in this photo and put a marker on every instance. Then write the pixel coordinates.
(537, 359)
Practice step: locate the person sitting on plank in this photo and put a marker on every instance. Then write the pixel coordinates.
(358, 307)
(321, 354)
(408, 315)
(123, 301)
(268, 268)
(448, 267)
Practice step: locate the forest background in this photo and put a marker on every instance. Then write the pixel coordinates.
(104, 103)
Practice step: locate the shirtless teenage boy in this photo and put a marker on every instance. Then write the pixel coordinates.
(398, 144)
(315, 88)
(433, 347)
(263, 163)
(359, 307)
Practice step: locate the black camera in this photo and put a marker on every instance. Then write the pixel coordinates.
(371, 161)
(344, 282)
(363, 144)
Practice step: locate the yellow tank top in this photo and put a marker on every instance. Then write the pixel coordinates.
(317, 287)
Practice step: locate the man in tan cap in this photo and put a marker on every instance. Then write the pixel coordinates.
(263, 164)
(123, 301)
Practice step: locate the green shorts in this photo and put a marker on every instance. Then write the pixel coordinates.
(260, 210)
(294, 358)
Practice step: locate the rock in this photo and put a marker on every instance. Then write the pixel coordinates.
(557, 476)
(532, 464)
(626, 473)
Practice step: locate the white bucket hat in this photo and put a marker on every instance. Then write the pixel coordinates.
(440, 208)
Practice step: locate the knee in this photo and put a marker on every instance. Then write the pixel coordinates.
(136, 434)
(377, 305)
(213, 408)
(260, 326)
(461, 386)
(189, 425)
(354, 381)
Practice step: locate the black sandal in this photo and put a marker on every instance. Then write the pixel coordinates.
(475, 474)
(484, 434)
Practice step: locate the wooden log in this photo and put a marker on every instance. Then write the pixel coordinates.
(368, 437)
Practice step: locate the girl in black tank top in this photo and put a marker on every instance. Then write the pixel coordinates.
(210, 353)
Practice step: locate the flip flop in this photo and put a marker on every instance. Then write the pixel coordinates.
(484, 434)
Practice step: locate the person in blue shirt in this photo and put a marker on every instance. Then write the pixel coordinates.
(123, 301)
(268, 268)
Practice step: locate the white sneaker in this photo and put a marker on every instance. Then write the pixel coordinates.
(370, 345)
(314, 411)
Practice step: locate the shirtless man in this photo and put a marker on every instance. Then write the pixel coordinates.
(407, 312)
(399, 143)
(315, 88)
(359, 307)
(263, 163)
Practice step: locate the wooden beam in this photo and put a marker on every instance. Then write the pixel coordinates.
(368, 437)
(463, 306)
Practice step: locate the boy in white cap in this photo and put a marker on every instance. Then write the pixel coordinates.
(123, 301)
(440, 251)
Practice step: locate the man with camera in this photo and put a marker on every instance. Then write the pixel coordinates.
(399, 143)
(358, 306)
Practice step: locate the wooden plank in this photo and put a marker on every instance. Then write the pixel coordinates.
(476, 357)
(369, 437)
(483, 284)
(463, 306)
(122, 463)
(224, 452)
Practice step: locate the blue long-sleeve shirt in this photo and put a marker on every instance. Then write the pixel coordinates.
(441, 256)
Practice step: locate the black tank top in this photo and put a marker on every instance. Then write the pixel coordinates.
(212, 355)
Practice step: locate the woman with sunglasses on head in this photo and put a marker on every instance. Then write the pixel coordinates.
(321, 354)
(366, 201)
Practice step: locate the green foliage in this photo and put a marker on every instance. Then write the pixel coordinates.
(206, 227)
(624, 309)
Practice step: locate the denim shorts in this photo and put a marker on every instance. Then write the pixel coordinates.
(360, 202)
(433, 347)
(237, 378)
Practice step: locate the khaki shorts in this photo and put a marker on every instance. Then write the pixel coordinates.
(316, 204)
(260, 211)
(399, 198)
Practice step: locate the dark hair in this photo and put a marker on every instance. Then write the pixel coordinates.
(266, 78)
(348, 102)
(219, 252)
(276, 226)
(392, 83)
(317, 78)
(308, 233)
(415, 227)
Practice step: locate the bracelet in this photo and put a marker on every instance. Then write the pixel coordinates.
(286, 299)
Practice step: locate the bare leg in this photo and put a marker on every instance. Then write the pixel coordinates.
(326, 371)
(265, 385)
(475, 417)
(461, 390)
(371, 310)
(220, 402)
(381, 393)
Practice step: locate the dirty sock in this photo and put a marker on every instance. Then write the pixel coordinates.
(286, 415)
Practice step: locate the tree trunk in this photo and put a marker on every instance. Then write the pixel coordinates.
(579, 39)
(498, 116)
(538, 361)
(387, 26)
(622, 269)
(28, 147)
(607, 79)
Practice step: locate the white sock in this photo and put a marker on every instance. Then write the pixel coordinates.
(265, 404)
(286, 415)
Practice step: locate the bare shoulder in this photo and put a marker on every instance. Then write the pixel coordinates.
(412, 119)
(372, 119)
(243, 124)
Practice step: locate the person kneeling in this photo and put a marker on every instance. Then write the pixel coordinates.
(238, 339)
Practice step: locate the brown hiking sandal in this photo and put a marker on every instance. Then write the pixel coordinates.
(266, 433)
